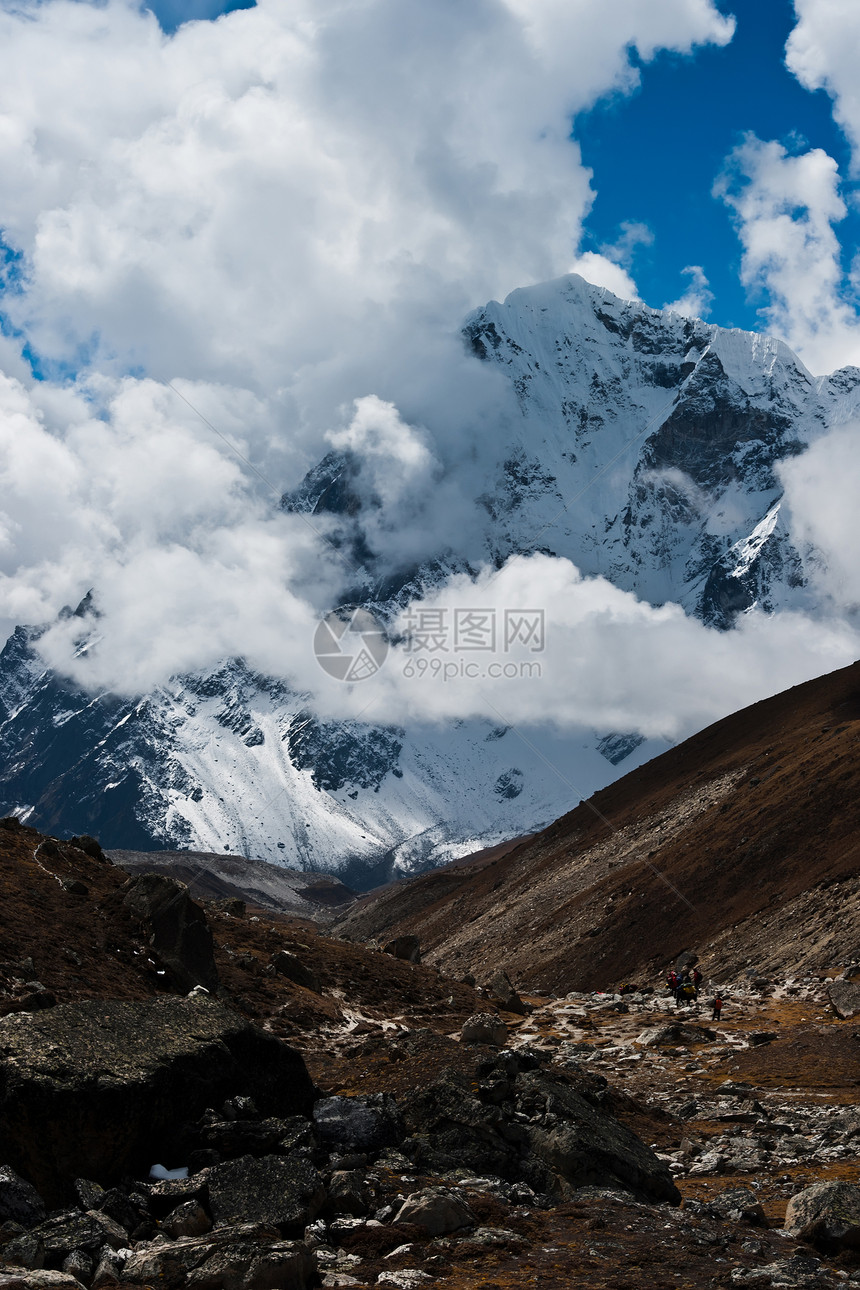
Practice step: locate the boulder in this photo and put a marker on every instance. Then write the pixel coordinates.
(676, 1033)
(844, 998)
(180, 934)
(252, 1137)
(485, 1028)
(42, 1279)
(534, 1126)
(73, 1229)
(739, 1205)
(586, 1146)
(103, 1088)
(501, 992)
(350, 1193)
(290, 966)
(359, 1123)
(90, 846)
(238, 1258)
(282, 1192)
(188, 1219)
(25, 1251)
(19, 1200)
(436, 1210)
(404, 947)
(826, 1215)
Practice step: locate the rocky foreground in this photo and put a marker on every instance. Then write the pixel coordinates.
(208, 1096)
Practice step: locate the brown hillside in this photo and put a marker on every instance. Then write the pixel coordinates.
(740, 844)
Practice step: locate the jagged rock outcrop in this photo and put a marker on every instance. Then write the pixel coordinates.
(528, 1123)
(179, 932)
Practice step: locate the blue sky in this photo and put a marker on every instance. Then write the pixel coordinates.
(656, 155)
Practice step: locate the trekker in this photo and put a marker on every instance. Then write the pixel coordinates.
(672, 981)
(717, 1009)
(697, 980)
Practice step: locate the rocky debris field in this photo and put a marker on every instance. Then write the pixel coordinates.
(324, 1112)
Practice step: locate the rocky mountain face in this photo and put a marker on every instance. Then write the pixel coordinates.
(640, 445)
(326, 1112)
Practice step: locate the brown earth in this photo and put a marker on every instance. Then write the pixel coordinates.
(753, 822)
(741, 844)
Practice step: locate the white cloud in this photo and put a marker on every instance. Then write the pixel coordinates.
(610, 661)
(822, 54)
(697, 299)
(785, 206)
(821, 490)
(247, 199)
(604, 272)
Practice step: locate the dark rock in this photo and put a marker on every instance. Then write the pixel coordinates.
(282, 1265)
(231, 905)
(485, 1028)
(89, 846)
(845, 998)
(87, 1193)
(676, 1033)
(501, 992)
(739, 1205)
(188, 1219)
(759, 1037)
(350, 1193)
(290, 966)
(282, 1192)
(360, 1123)
(104, 1087)
(79, 1265)
(827, 1215)
(25, 1251)
(548, 1132)
(437, 1210)
(586, 1146)
(75, 887)
(181, 936)
(71, 1230)
(252, 1137)
(108, 1271)
(407, 948)
(131, 1211)
(19, 1200)
(164, 1197)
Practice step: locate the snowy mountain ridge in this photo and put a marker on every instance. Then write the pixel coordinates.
(641, 445)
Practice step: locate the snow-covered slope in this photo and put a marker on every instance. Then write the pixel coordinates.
(642, 446)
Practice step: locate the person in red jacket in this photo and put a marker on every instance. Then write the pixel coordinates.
(718, 1007)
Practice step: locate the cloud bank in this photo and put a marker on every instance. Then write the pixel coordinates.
(287, 213)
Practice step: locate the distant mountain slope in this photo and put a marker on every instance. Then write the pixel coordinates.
(742, 845)
(217, 877)
(641, 445)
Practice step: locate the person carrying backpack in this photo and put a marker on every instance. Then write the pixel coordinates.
(697, 980)
(717, 1008)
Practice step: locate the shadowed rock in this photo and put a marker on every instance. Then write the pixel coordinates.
(826, 1215)
(180, 935)
(845, 998)
(103, 1088)
(405, 947)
